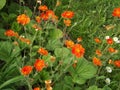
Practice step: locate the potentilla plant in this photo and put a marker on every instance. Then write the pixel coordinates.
(39, 54)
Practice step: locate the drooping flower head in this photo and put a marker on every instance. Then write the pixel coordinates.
(23, 19)
(117, 63)
(97, 61)
(25, 40)
(42, 51)
(110, 41)
(39, 64)
(26, 70)
(43, 8)
(38, 19)
(98, 52)
(97, 40)
(78, 50)
(69, 43)
(37, 88)
(111, 50)
(67, 14)
(116, 12)
(67, 22)
(11, 33)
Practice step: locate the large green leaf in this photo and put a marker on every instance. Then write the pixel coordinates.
(62, 52)
(2, 3)
(52, 44)
(5, 50)
(83, 71)
(55, 34)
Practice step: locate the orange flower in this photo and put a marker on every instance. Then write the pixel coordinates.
(38, 19)
(98, 52)
(26, 70)
(44, 16)
(67, 22)
(117, 63)
(11, 33)
(112, 50)
(36, 88)
(97, 40)
(43, 8)
(24, 40)
(54, 18)
(116, 12)
(50, 13)
(96, 61)
(35, 26)
(39, 64)
(67, 14)
(23, 19)
(42, 51)
(79, 39)
(78, 50)
(110, 41)
(69, 43)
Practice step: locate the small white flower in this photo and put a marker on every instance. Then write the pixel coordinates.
(107, 80)
(118, 41)
(109, 69)
(115, 39)
(39, 1)
(107, 37)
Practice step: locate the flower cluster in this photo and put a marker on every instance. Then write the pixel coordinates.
(38, 65)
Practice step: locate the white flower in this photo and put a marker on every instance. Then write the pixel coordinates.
(115, 39)
(118, 41)
(109, 69)
(107, 80)
(107, 37)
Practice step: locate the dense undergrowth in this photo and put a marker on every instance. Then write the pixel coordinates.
(62, 45)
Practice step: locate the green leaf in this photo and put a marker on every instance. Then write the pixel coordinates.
(106, 88)
(52, 44)
(62, 52)
(5, 50)
(84, 70)
(16, 27)
(55, 34)
(10, 81)
(94, 88)
(2, 3)
(2, 36)
(44, 75)
(4, 16)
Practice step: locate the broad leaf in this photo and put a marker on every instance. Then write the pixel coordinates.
(62, 52)
(55, 34)
(2, 3)
(83, 71)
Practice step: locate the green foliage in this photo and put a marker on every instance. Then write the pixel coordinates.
(2, 3)
(65, 71)
(83, 71)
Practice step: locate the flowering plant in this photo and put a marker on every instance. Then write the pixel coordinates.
(37, 53)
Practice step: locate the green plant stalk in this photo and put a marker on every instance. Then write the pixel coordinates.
(28, 83)
(32, 44)
(68, 65)
(13, 80)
